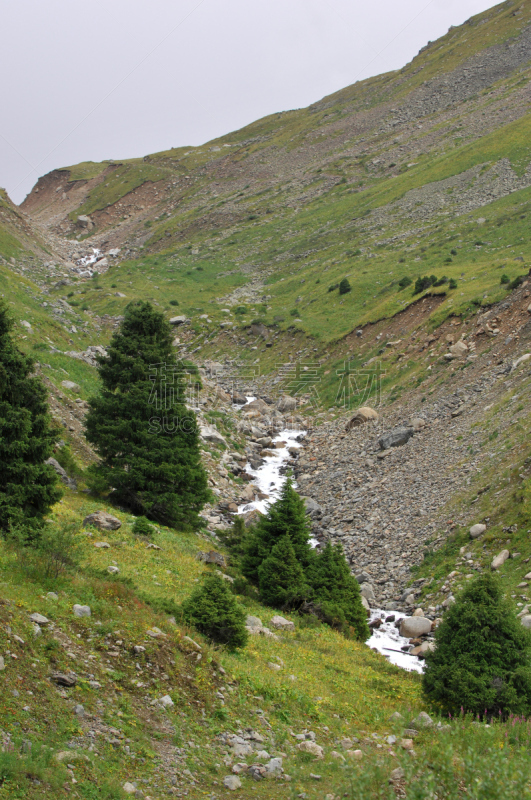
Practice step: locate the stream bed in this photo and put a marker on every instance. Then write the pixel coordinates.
(269, 479)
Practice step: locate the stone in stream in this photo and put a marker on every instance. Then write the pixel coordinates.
(411, 627)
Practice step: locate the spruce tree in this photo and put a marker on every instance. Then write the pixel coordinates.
(482, 660)
(28, 486)
(336, 593)
(213, 610)
(281, 578)
(285, 517)
(147, 439)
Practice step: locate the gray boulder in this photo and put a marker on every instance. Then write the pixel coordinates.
(287, 403)
(395, 438)
(477, 530)
(499, 560)
(103, 521)
(411, 627)
(70, 482)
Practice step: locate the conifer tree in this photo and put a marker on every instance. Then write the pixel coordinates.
(285, 517)
(28, 486)
(147, 439)
(482, 660)
(336, 593)
(213, 610)
(281, 578)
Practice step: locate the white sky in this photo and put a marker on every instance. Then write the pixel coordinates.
(123, 78)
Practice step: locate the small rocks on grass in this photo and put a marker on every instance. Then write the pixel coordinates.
(81, 611)
(63, 679)
(312, 748)
(273, 768)
(396, 716)
(477, 530)
(396, 775)
(166, 701)
(79, 710)
(232, 782)
(315, 777)
(129, 788)
(102, 545)
(38, 619)
(113, 570)
(407, 744)
(422, 722)
(103, 521)
(357, 755)
(52, 596)
(337, 756)
(499, 560)
(282, 624)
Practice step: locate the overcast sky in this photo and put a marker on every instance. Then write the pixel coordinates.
(123, 78)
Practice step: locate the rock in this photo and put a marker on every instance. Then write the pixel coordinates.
(362, 416)
(102, 545)
(396, 438)
(62, 473)
(241, 749)
(529, 309)
(81, 611)
(274, 768)
(407, 744)
(52, 596)
(84, 222)
(103, 521)
(129, 788)
(209, 433)
(287, 403)
(79, 710)
(71, 386)
(258, 329)
(417, 423)
(500, 559)
(422, 722)
(253, 624)
(396, 775)
(522, 360)
(312, 506)
(312, 748)
(396, 716)
(232, 782)
(94, 684)
(113, 570)
(120, 294)
(367, 591)
(526, 621)
(411, 627)
(477, 530)
(61, 679)
(282, 624)
(459, 349)
(357, 755)
(365, 603)
(422, 649)
(274, 667)
(2, 663)
(212, 557)
(178, 320)
(166, 701)
(38, 619)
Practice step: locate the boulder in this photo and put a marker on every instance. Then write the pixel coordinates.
(499, 560)
(258, 405)
(71, 386)
(312, 506)
(209, 433)
(212, 557)
(526, 621)
(367, 591)
(282, 624)
(395, 438)
(258, 329)
(253, 624)
(62, 679)
(477, 530)
(62, 473)
(38, 619)
(362, 416)
(232, 782)
(522, 360)
(459, 349)
(422, 722)
(84, 222)
(81, 611)
(113, 570)
(417, 424)
(103, 521)
(365, 604)
(312, 748)
(178, 320)
(411, 627)
(287, 403)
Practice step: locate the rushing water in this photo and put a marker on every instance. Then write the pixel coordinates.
(268, 478)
